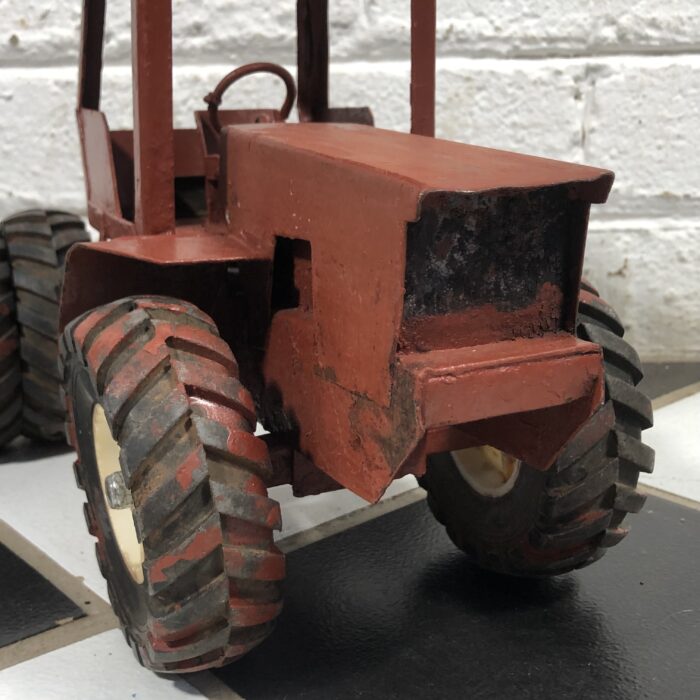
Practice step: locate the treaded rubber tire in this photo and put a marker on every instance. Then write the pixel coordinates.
(38, 242)
(10, 371)
(566, 517)
(184, 423)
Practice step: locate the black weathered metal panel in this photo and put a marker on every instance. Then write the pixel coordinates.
(468, 250)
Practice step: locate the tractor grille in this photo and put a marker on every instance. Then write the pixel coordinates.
(490, 266)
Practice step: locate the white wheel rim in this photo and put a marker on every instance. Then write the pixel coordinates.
(487, 470)
(121, 519)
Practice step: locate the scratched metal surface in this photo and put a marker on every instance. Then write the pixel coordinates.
(390, 610)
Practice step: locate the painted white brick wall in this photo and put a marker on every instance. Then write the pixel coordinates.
(611, 83)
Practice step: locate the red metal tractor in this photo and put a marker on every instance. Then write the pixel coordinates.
(383, 303)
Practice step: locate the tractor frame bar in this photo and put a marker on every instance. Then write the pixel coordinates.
(154, 142)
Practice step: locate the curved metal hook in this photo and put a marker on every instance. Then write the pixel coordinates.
(213, 99)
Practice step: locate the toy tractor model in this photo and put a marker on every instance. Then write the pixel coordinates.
(384, 304)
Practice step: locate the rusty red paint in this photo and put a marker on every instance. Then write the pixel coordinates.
(423, 26)
(221, 414)
(154, 147)
(219, 351)
(242, 532)
(244, 614)
(356, 391)
(185, 472)
(485, 324)
(202, 543)
(259, 564)
(166, 643)
(105, 345)
(214, 98)
(246, 512)
(92, 321)
(117, 394)
(251, 483)
(161, 639)
(250, 448)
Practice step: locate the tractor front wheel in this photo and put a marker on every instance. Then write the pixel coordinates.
(175, 482)
(511, 518)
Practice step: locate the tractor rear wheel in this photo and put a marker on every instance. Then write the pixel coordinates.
(38, 242)
(10, 372)
(175, 482)
(511, 518)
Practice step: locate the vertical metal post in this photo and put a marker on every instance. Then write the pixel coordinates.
(423, 28)
(154, 152)
(89, 82)
(312, 59)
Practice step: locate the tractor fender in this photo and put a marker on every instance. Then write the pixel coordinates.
(192, 268)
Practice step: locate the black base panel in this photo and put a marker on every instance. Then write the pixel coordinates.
(29, 604)
(389, 609)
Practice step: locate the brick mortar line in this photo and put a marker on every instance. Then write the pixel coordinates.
(394, 60)
(600, 223)
(598, 226)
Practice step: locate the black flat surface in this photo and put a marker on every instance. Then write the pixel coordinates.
(29, 604)
(389, 609)
(664, 377)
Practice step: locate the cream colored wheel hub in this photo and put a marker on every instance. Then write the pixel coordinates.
(116, 496)
(487, 470)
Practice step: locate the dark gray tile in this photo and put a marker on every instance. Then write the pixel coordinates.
(664, 377)
(390, 609)
(29, 604)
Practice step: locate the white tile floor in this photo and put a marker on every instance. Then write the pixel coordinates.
(99, 668)
(676, 439)
(39, 499)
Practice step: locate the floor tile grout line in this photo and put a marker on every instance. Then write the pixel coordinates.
(55, 639)
(675, 396)
(98, 614)
(349, 520)
(70, 585)
(210, 686)
(668, 496)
